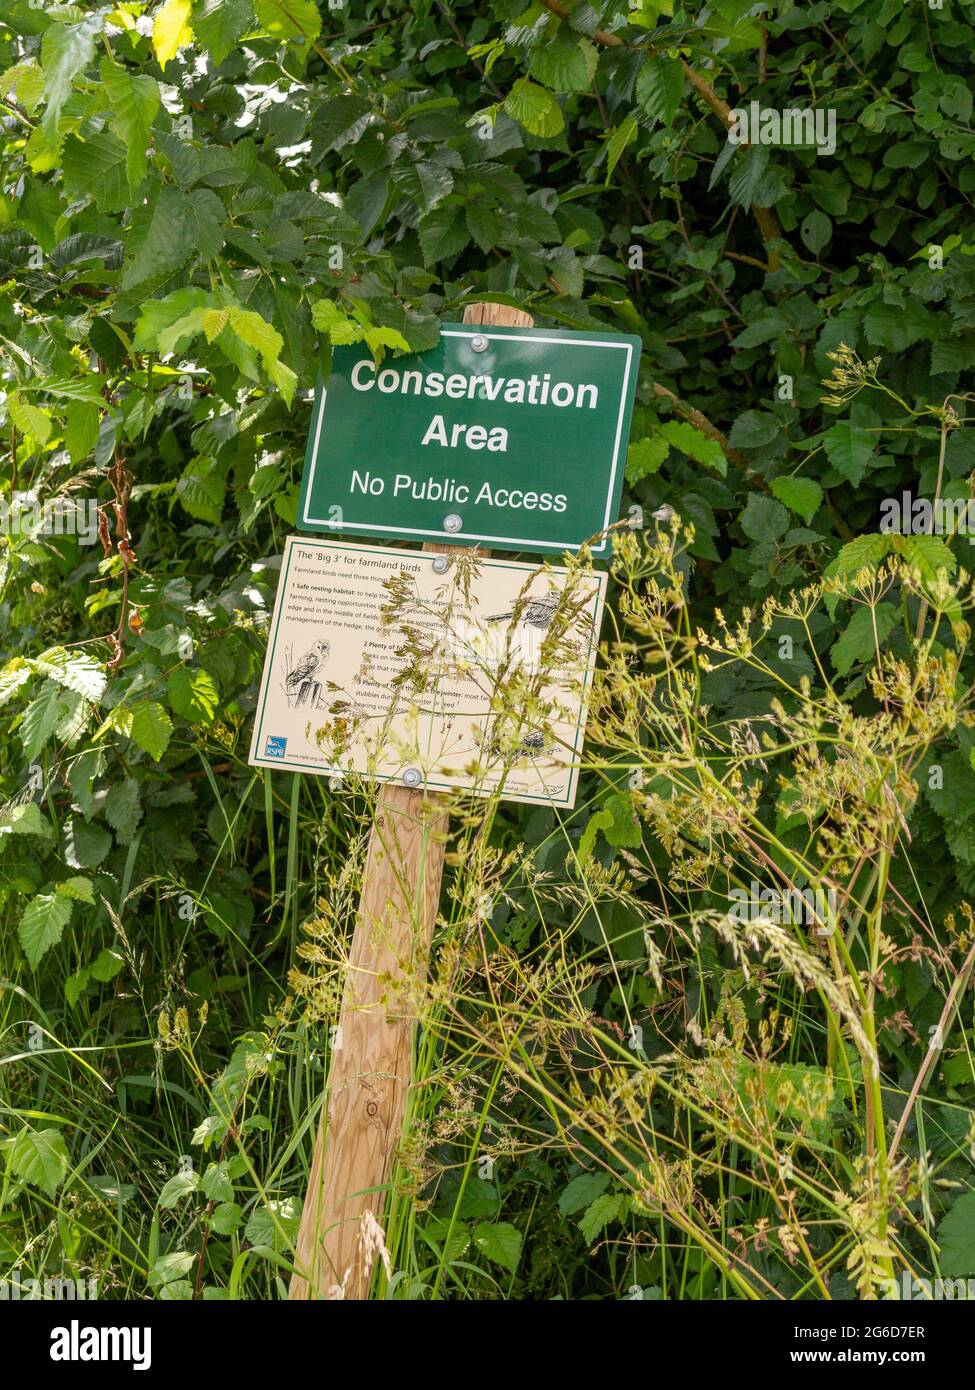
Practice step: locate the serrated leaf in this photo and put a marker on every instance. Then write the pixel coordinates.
(79, 890)
(25, 819)
(134, 101)
(171, 30)
(599, 1214)
(151, 728)
(764, 519)
(565, 63)
(801, 495)
(500, 1242)
(218, 24)
(40, 720)
(535, 108)
(644, 457)
(582, 1191)
(28, 419)
(443, 233)
(624, 134)
(686, 437)
(42, 924)
(40, 1157)
(849, 450)
(161, 238)
(193, 695)
(80, 429)
(66, 50)
(123, 810)
(660, 88)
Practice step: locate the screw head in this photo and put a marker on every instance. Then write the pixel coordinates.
(412, 776)
(453, 522)
(441, 564)
(479, 342)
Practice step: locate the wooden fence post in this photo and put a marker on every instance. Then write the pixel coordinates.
(365, 1098)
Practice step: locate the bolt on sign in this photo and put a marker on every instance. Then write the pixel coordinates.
(437, 671)
(508, 437)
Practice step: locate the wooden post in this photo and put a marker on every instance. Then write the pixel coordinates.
(362, 1116)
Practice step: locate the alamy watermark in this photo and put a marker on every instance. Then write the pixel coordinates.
(24, 514)
(908, 515)
(803, 127)
(805, 907)
(15, 1288)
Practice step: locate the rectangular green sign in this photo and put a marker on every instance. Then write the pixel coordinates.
(512, 437)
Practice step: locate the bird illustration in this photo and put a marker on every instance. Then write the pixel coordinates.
(537, 612)
(300, 679)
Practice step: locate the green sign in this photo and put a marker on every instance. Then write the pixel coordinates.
(512, 437)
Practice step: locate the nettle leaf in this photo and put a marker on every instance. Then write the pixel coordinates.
(171, 30)
(535, 108)
(863, 636)
(289, 19)
(660, 88)
(801, 495)
(850, 450)
(42, 924)
(500, 1242)
(40, 1157)
(565, 63)
(193, 695)
(134, 101)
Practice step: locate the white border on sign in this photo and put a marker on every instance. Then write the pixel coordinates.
(515, 541)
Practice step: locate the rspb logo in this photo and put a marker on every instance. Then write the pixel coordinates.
(274, 748)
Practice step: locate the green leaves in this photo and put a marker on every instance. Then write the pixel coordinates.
(289, 19)
(800, 495)
(66, 50)
(863, 637)
(849, 450)
(42, 923)
(134, 100)
(39, 1157)
(171, 29)
(535, 108)
(660, 88)
(500, 1242)
(565, 63)
(193, 695)
(218, 24)
(956, 1237)
(764, 519)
